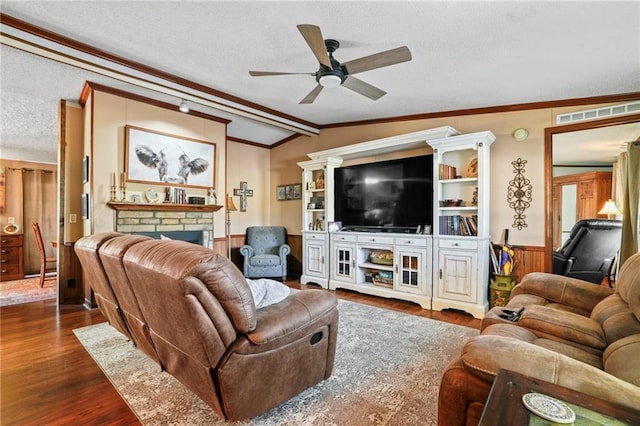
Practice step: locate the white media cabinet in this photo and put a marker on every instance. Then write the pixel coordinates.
(448, 269)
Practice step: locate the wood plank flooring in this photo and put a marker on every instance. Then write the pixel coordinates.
(46, 376)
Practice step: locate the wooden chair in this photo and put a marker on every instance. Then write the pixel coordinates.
(43, 256)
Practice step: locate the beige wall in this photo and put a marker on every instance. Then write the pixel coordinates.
(247, 163)
(503, 151)
(110, 115)
(73, 186)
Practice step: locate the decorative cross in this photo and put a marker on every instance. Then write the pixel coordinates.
(243, 193)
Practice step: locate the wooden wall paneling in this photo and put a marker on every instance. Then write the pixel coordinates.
(71, 285)
(528, 259)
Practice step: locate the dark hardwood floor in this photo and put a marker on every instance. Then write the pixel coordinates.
(46, 376)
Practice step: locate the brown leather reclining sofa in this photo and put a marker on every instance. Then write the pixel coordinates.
(571, 332)
(192, 311)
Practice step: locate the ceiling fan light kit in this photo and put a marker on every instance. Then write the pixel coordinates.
(332, 73)
(184, 106)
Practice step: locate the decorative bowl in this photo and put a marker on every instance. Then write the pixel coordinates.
(450, 203)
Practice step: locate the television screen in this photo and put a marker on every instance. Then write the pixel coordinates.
(395, 193)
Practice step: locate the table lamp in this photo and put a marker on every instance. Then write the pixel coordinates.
(610, 209)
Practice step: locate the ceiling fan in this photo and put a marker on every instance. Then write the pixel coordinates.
(332, 73)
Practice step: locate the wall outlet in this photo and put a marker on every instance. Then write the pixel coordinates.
(73, 218)
(11, 220)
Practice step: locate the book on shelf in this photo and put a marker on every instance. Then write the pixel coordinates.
(464, 225)
(446, 171)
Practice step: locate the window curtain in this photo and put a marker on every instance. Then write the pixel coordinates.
(629, 162)
(39, 199)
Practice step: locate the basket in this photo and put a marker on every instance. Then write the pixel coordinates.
(381, 257)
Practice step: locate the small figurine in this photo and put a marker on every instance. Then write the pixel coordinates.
(213, 199)
(320, 181)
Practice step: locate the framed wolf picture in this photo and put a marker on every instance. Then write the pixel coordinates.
(164, 159)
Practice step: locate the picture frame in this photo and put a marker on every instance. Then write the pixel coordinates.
(289, 192)
(85, 206)
(153, 157)
(85, 169)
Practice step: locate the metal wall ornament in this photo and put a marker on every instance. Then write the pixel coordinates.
(519, 194)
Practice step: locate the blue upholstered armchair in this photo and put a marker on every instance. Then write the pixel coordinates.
(265, 254)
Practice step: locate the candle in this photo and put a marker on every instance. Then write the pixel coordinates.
(113, 179)
(122, 179)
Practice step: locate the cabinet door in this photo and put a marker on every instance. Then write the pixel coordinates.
(343, 267)
(457, 275)
(410, 270)
(314, 259)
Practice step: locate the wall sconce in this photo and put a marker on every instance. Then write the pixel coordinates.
(230, 208)
(610, 209)
(184, 106)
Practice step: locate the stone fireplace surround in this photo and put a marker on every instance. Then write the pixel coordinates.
(187, 222)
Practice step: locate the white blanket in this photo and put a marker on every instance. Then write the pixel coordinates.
(267, 292)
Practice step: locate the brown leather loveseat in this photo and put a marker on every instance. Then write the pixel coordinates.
(571, 332)
(193, 312)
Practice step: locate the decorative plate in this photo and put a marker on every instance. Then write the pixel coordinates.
(11, 228)
(548, 408)
(151, 196)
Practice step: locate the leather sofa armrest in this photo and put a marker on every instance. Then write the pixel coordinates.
(246, 251)
(484, 355)
(564, 290)
(293, 317)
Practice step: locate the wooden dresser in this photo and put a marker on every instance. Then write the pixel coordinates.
(11, 259)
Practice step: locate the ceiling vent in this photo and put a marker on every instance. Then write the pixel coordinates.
(592, 114)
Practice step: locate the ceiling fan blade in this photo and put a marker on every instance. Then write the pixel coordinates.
(313, 36)
(378, 60)
(312, 95)
(268, 73)
(365, 89)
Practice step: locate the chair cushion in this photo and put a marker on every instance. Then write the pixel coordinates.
(265, 260)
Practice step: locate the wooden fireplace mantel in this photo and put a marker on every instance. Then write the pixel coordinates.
(164, 207)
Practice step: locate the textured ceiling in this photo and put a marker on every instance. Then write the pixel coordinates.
(465, 55)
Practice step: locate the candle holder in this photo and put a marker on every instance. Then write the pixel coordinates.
(113, 193)
(123, 193)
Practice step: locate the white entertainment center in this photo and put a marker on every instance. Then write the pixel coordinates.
(445, 269)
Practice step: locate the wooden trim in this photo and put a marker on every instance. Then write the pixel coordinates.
(621, 97)
(139, 98)
(164, 207)
(548, 168)
(285, 140)
(90, 50)
(247, 142)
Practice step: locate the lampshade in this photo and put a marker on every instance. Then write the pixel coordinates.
(610, 209)
(230, 206)
(184, 106)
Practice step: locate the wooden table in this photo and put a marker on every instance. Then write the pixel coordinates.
(504, 404)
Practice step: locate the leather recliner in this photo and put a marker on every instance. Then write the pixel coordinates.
(201, 318)
(589, 252)
(571, 333)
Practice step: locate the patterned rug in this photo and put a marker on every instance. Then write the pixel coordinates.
(387, 372)
(27, 290)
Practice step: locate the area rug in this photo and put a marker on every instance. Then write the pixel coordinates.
(387, 372)
(27, 290)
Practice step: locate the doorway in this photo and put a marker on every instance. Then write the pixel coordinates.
(614, 123)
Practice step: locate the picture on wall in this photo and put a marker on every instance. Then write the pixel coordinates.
(163, 159)
(289, 192)
(85, 206)
(85, 169)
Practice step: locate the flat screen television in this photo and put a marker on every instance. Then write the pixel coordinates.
(394, 195)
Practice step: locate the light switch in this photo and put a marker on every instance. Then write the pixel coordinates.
(73, 218)
(11, 220)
